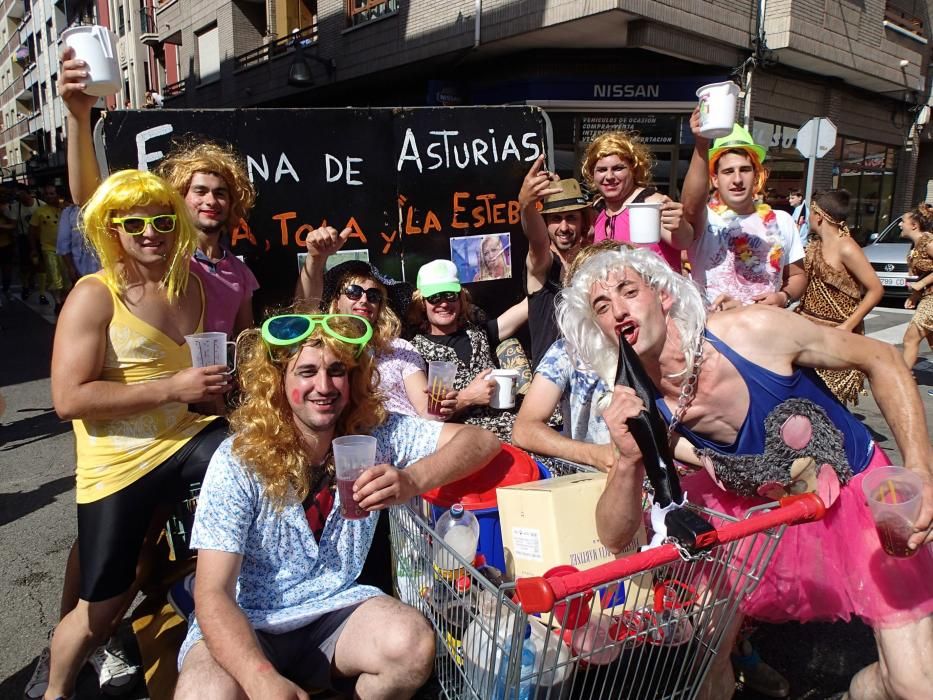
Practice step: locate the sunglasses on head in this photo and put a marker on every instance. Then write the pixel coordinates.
(355, 292)
(290, 329)
(136, 225)
(441, 297)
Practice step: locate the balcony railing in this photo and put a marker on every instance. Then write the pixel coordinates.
(174, 89)
(279, 47)
(910, 21)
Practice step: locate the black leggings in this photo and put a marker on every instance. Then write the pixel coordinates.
(111, 531)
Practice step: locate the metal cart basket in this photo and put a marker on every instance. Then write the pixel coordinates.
(647, 625)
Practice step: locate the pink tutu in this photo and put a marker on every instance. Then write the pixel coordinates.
(834, 568)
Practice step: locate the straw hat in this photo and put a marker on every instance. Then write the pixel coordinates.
(739, 138)
(569, 198)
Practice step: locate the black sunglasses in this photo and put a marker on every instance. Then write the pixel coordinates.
(440, 297)
(355, 292)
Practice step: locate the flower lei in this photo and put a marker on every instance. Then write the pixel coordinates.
(768, 218)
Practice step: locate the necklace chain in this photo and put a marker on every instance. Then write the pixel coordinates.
(687, 390)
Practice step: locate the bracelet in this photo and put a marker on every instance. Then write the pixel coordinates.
(790, 299)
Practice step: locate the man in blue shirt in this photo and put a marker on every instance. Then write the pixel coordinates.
(78, 258)
(277, 599)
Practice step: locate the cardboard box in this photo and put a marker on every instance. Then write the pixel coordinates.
(552, 522)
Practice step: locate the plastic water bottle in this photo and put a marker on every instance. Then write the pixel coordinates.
(459, 529)
(526, 684)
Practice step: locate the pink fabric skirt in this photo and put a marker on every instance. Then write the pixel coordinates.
(834, 568)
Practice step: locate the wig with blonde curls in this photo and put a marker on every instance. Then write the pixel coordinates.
(265, 435)
(387, 326)
(125, 190)
(417, 316)
(214, 159)
(618, 143)
(577, 319)
(761, 174)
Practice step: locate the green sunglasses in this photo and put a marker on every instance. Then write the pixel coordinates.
(289, 329)
(136, 225)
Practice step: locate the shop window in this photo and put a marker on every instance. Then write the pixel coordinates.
(867, 170)
(363, 11)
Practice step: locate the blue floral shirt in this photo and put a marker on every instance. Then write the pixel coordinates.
(581, 389)
(287, 579)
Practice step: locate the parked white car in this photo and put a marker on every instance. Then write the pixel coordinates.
(887, 253)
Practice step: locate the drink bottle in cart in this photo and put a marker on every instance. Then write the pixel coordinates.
(459, 530)
(526, 686)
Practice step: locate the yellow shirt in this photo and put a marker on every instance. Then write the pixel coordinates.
(46, 218)
(113, 453)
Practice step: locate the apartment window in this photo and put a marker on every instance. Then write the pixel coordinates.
(48, 33)
(363, 11)
(208, 54)
(906, 14)
(121, 20)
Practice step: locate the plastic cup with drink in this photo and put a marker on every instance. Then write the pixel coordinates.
(353, 455)
(644, 222)
(894, 498)
(210, 349)
(97, 47)
(440, 381)
(717, 108)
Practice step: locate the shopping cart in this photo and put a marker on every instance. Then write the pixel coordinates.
(646, 625)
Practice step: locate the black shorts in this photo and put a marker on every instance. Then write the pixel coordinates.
(111, 531)
(306, 655)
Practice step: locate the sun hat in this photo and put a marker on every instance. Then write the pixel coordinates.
(739, 138)
(398, 293)
(570, 198)
(438, 276)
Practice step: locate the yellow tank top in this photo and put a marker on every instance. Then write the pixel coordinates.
(114, 453)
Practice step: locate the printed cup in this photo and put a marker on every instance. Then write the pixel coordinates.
(644, 222)
(209, 349)
(96, 46)
(353, 455)
(717, 109)
(506, 383)
(440, 381)
(575, 611)
(893, 495)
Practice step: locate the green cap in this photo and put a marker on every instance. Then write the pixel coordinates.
(739, 138)
(438, 276)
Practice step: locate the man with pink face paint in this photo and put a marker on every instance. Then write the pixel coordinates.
(763, 424)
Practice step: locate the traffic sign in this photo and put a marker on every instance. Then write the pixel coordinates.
(820, 134)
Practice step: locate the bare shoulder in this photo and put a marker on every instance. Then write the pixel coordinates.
(848, 248)
(754, 323)
(88, 304)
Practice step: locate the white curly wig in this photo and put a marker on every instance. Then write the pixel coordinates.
(577, 320)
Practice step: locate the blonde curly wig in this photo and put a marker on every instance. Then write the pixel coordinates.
(618, 143)
(265, 435)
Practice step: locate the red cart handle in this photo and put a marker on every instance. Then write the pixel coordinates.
(538, 594)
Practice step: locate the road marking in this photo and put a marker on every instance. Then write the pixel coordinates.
(893, 335)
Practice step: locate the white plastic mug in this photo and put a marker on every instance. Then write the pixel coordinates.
(209, 349)
(717, 108)
(97, 47)
(506, 382)
(644, 222)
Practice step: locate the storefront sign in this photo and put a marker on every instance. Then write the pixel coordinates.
(659, 129)
(604, 89)
(777, 138)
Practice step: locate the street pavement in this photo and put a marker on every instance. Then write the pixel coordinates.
(37, 520)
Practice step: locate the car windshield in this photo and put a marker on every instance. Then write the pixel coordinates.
(892, 233)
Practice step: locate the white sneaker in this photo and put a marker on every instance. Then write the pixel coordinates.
(115, 673)
(39, 681)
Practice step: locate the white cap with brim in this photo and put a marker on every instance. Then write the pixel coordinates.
(438, 276)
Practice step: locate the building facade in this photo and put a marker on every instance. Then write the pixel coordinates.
(604, 64)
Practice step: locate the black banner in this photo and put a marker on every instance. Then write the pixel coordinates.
(414, 184)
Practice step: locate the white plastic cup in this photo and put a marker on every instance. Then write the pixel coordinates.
(353, 455)
(440, 380)
(717, 109)
(97, 47)
(209, 349)
(506, 383)
(644, 222)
